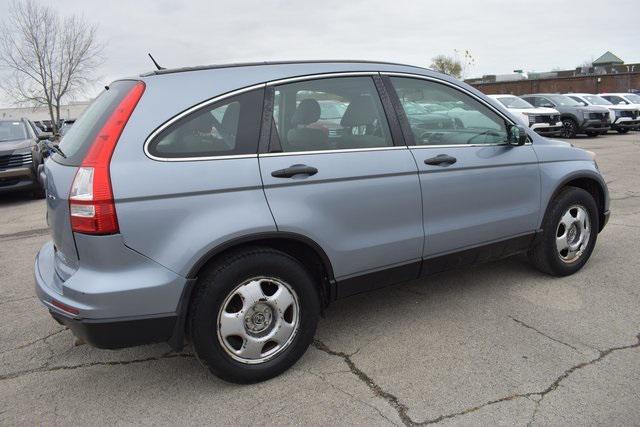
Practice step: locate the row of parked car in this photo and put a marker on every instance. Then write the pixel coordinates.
(24, 145)
(552, 114)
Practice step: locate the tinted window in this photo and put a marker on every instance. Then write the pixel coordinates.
(227, 127)
(12, 130)
(330, 114)
(77, 141)
(447, 115)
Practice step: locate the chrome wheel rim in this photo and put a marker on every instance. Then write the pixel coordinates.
(258, 320)
(573, 233)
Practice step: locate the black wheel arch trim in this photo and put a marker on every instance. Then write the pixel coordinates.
(256, 237)
(176, 341)
(597, 179)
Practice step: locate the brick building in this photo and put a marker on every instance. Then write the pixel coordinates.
(607, 74)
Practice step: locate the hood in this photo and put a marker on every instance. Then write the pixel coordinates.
(537, 110)
(623, 107)
(595, 109)
(8, 147)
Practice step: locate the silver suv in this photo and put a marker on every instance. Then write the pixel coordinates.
(224, 205)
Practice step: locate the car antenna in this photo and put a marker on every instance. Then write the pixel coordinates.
(155, 63)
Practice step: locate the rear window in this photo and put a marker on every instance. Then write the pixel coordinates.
(77, 141)
(226, 128)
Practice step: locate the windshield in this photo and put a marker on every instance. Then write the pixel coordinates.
(514, 102)
(596, 100)
(12, 131)
(564, 101)
(633, 98)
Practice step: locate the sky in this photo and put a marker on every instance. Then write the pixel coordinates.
(502, 36)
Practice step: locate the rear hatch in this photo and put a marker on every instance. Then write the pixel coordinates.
(60, 172)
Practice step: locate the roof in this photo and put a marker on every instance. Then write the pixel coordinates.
(255, 64)
(608, 58)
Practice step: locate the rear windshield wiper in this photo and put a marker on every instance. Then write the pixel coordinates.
(54, 147)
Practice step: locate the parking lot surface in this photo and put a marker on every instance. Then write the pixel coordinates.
(496, 344)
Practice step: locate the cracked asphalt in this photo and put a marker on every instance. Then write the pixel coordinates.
(495, 344)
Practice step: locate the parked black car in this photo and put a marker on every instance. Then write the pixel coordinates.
(576, 118)
(22, 150)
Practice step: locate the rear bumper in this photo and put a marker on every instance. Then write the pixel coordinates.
(119, 333)
(128, 302)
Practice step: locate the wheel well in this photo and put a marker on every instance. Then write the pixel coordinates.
(594, 188)
(311, 256)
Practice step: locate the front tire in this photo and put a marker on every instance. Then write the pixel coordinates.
(622, 131)
(570, 229)
(254, 315)
(569, 128)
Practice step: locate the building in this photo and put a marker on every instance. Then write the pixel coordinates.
(70, 111)
(608, 73)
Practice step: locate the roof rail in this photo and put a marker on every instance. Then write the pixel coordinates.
(253, 64)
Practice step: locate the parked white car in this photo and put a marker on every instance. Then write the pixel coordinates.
(622, 98)
(545, 121)
(623, 116)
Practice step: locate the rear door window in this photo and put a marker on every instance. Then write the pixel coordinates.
(329, 114)
(228, 127)
(79, 139)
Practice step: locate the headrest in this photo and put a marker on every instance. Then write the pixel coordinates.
(308, 112)
(361, 111)
(230, 119)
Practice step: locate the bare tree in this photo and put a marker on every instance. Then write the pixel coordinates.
(453, 65)
(46, 58)
(447, 65)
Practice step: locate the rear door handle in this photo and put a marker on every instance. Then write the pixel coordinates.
(441, 160)
(294, 170)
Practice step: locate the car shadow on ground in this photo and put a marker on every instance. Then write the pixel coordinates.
(16, 198)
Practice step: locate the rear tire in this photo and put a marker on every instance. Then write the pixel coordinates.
(569, 128)
(254, 315)
(623, 130)
(570, 230)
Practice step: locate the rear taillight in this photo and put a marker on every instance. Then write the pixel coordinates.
(91, 203)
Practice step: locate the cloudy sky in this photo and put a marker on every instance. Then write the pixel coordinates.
(502, 35)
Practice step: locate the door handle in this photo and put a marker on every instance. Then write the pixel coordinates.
(294, 170)
(441, 160)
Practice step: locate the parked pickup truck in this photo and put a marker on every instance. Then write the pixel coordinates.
(545, 121)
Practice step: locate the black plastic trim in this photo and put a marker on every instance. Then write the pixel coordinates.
(483, 253)
(119, 334)
(280, 235)
(390, 113)
(378, 279)
(405, 127)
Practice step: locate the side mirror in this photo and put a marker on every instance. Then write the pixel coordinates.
(517, 135)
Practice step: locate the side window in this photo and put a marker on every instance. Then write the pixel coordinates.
(329, 114)
(227, 127)
(441, 115)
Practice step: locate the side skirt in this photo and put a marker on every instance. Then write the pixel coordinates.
(438, 264)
